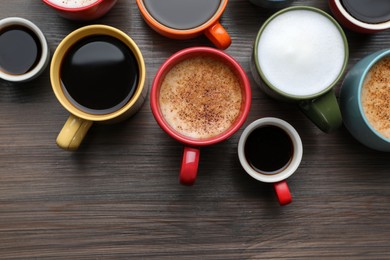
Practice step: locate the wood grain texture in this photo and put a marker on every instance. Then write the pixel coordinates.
(118, 197)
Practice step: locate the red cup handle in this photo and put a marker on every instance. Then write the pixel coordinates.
(282, 192)
(189, 166)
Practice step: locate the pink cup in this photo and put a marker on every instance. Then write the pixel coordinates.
(85, 13)
(190, 161)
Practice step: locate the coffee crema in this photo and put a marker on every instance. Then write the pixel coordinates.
(375, 97)
(200, 97)
(301, 52)
(73, 3)
(182, 14)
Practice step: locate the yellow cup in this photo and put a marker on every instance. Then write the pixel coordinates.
(79, 122)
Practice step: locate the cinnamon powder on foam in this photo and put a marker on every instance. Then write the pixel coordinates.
(376, 97)
(200, 97)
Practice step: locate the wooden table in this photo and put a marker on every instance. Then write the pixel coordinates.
(119, 196)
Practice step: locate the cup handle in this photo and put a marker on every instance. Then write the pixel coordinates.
(73, 133)
(282, 192)
(323, 111)
(189, 166)
(218, 35)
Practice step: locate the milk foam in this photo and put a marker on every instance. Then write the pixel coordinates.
(301, 52)
(73, 3)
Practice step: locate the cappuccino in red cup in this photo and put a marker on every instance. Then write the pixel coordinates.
(81, 10)
(73, 3)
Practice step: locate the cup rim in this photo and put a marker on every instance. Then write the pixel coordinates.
(43, 60)
(173, 60)
(70, 40)
(382, 54)
(181, 32)
(295, 138)
(368, 26)
(70, 9)
(274, 88)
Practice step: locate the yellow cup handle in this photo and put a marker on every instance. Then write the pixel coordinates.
(73, 133)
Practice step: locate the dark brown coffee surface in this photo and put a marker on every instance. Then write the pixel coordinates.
(99, 74)
(182, 14)
(368, 11)
(20, 50)
(268, 149)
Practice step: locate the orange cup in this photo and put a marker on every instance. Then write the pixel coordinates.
(211, 28)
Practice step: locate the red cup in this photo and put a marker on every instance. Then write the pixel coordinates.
(353, 24)
(85, 13)
(190, 161)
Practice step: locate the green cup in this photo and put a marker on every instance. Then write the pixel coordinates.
(299, 55)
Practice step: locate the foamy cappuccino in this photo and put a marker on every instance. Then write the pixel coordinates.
(375, 97)
(200, 97)
(301, 52)
(73, 3)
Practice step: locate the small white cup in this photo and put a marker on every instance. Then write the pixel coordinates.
(43, 59)
(278, 178)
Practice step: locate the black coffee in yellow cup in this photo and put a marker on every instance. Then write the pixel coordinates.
(98, 75)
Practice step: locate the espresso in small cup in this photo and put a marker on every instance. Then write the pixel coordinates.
(200, 97)
(23, 50)
(270, 150)
(73, 3)
(20, 50)
(375, 97)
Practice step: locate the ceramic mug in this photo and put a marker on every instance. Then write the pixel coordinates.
(92, 11)
(270, 150)
(285, 62)
(271, 3)
(33, 62)
(351, 21)
(188, 20)
(367, 129)
(80, 120)
(193, 108)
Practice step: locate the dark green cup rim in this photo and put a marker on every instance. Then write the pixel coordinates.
(260, 72)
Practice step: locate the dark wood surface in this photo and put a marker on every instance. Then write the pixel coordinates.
(119, 197)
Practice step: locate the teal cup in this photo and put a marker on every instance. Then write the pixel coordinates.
(354, 110)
